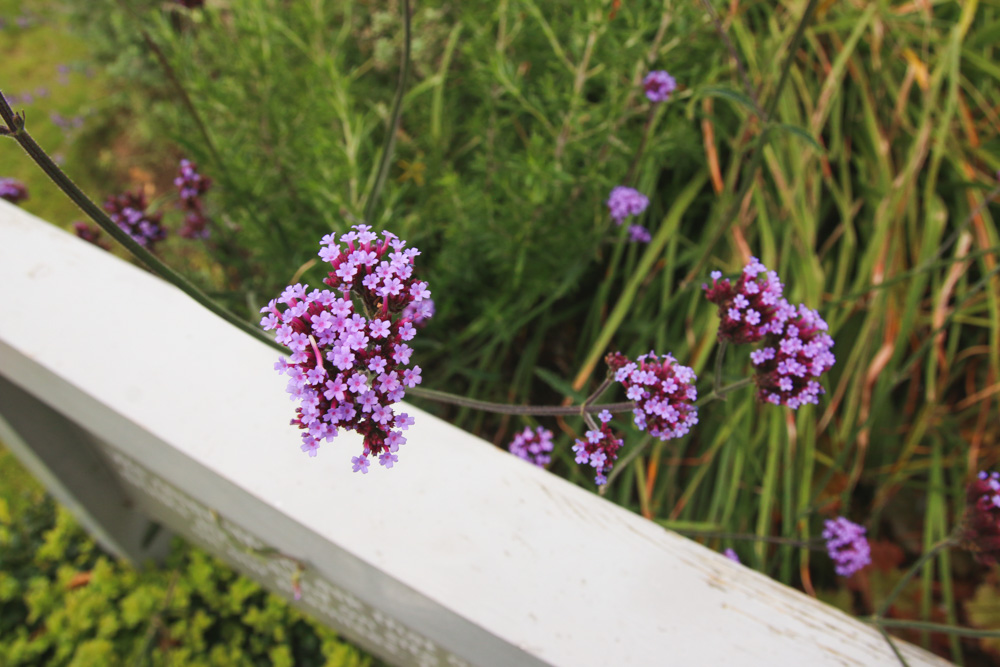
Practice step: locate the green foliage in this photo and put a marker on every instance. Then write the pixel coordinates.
(64, 602)
(984, 612)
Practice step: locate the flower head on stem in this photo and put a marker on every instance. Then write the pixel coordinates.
(980, 528)
(625, 201)
(128, 211)
(847, 545)
(751, 308)
(190, 187)
(790, 364)
(347, 368)
(659, 85)
(533, 446)
(599, 449)
(663, 391)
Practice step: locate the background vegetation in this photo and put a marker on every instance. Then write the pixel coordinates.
(860, 166)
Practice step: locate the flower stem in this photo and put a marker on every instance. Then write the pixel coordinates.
(747, 537)
(397, 109)
(720, 393)
(933, 551)
(16, 130)
(508, 409)
(931, 627)
(720, 355)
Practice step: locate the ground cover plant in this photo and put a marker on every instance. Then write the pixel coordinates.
(63, 601)
(851, 147)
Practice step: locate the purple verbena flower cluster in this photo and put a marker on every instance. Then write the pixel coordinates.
(128, 211)
(533, 446)
(663, 391)
(797, 349)
(789, 366)
(980, 531)
(749, 309)
(90, 234)
(659, 85)
(639, 234)
(191, 186)
(600, 449)
(348, 368)
(13, 190)
(847, 545)
(625, 201)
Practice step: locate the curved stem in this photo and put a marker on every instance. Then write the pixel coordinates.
(15, 129)
(623, 462)
(642, 144)
(930, 627)
(892, 645)
(507, 409)
(720, 393)
(747, 537)
(720, 355)
(397, 109)
(933, 551)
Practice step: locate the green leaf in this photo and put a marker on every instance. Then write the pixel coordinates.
(558, 383)
(729, 94)
(984, 612)
(799, 132)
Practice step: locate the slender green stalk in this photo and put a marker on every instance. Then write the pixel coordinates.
(734, 54)
(892, 645)
(16, 130)
(931, 627)
(930, 553)
(397, 109)
(729, 217)
(206, 138)
(720, 355)
(720, 393)
(623, 462)
(749, 537)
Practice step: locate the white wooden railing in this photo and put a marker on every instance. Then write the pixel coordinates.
(133, 403)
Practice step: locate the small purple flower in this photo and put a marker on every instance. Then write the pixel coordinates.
(847, 545)
(90, 234)
(980, 531)
(663, 391)
(639, 234)
(533, 446)
(190, 187)
(420, 312)
(624, 201)
(361, 464)
(731, 555)
(128, 211)
(659, 85)
(752, 307)
(600, 450)
(13, 190)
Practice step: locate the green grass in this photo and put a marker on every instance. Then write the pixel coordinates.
(866, 189)
(32, 56)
